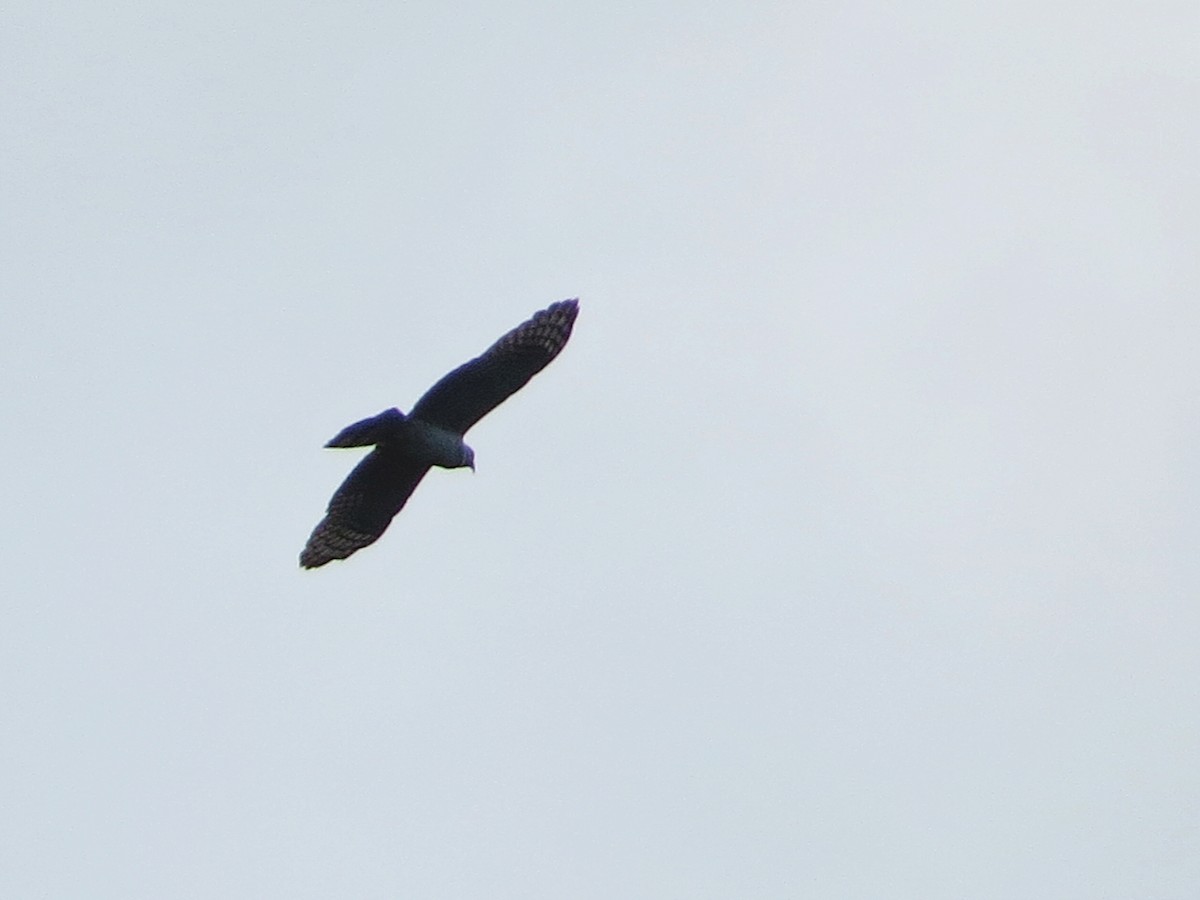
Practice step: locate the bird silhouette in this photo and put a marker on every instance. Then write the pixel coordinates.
(406, 446)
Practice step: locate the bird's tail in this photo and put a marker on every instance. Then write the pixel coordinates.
(376, 430)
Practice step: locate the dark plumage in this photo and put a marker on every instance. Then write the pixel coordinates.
(430, 435)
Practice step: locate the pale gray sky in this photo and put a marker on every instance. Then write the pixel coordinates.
(848, 550)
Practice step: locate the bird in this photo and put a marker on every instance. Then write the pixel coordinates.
(431, 434)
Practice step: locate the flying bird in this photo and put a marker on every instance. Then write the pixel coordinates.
(406, 446)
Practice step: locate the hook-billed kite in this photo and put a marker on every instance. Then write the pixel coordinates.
(406, 446)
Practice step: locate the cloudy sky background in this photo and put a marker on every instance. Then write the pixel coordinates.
(848, 550)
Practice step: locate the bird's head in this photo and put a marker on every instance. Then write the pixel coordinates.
(468, 458)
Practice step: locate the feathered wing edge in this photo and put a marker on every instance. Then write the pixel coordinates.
(363, 506)
(331, 540)
(464, 396)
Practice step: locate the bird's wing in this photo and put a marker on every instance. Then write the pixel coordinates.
(474, 389)
(363, 507)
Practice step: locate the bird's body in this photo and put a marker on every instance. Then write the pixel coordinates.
(406, 446)
(418, 439)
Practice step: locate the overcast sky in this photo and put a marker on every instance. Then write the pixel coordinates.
(847, 551)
